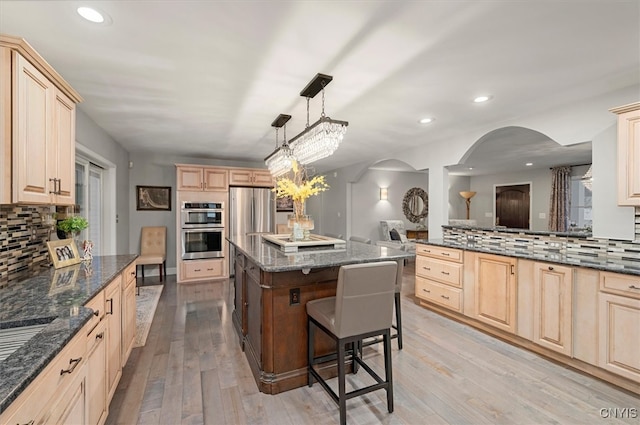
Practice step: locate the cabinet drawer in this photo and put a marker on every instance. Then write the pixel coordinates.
(203, 269)
(130, 273)
(438, 293)
(253, 271)
(54, 379)
(444, 271)
(97, 305)
(620, 284)
(439, 252)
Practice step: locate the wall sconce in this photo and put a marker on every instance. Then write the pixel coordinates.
(467, 196)
(383, 193)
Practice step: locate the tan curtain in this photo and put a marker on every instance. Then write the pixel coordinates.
(560, 199)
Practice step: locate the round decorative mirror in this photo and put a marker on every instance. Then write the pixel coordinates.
(415, 204)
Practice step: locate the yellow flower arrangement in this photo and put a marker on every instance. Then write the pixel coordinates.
(299, 188)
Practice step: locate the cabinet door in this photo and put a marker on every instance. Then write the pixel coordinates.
(64, 149)
(262, 178)
(215, 179)
(241, 177)
(96, 376)
(552, 310)
(114, 335)
(619, 335)
(128, 319)
(629, 156)
(32, 155)
(190, 178)
(495, 291)
(71, 407)
(253, 299)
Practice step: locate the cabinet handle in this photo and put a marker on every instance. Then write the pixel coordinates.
(59, 186)
(445, 297)
(513, 269)
(196, 270)
(100, 335)
(427, 291)
(550, 268)
(54, 186)
(110, 301)
(96, 313)
(427, 251)
(426, 268)
(447, 273)
(73, 363)
(446, 254)
(209, 270)
(634, 287)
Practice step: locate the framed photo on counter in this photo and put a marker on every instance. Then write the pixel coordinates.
(63, 253)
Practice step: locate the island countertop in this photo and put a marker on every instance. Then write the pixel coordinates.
(56, 298)
(271, 259)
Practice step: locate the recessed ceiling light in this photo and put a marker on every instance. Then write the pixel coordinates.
(529, 164)
(426, 121)
(470, 168)
(481, 99)
(91, 14)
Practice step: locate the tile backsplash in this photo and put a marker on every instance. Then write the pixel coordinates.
(23, 240)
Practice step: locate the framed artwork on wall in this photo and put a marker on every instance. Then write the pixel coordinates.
(63, 253)
(284, 204)
(153, 198)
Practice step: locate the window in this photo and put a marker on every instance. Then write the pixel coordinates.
(580, 209)
(89, 200)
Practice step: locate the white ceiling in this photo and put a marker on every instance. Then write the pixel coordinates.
(207, 78)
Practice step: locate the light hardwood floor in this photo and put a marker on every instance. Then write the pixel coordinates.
(192, 371)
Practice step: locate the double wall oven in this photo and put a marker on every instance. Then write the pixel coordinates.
(202, 230)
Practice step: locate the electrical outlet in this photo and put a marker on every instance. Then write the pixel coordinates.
(294, 296)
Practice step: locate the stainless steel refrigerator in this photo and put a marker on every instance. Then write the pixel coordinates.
(251, 210)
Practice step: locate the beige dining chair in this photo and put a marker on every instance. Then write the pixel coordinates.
(153, 248)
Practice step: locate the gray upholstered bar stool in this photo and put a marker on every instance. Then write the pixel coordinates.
(398, 309)
(362, 308)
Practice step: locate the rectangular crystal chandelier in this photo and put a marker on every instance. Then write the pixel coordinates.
(280, 160)
(321, 139)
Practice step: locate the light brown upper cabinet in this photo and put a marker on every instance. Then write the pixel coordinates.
(628, 154)
(37, 117)
(207, 179)
(250, 177)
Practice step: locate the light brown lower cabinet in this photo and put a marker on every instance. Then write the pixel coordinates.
(58, 394)
(620, 335)
(552, 308)
(76, 386)
(96, 375)
(113, 311)
(495, 297)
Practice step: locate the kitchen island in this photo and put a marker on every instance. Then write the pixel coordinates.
(271, 292)
(58, 300)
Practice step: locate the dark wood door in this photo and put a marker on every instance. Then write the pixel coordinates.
(512, 206)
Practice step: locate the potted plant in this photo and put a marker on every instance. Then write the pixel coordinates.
(73, 225)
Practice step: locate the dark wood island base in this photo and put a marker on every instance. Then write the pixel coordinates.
(270, 296)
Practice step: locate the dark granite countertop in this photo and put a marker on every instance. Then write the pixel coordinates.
(576, 234)
(271, 259)
(625, 266)
(55, 297)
